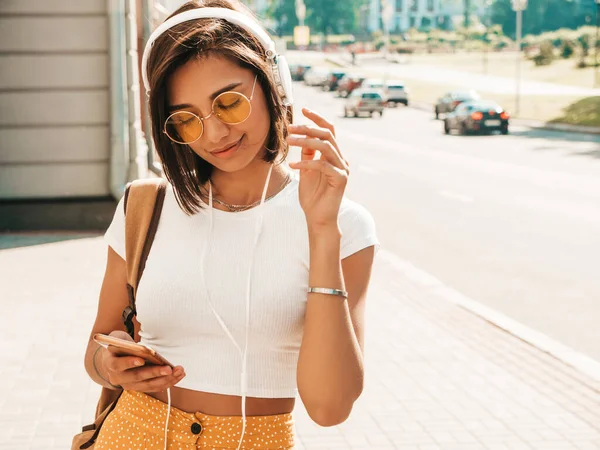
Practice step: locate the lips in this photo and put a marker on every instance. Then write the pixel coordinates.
(224, 149)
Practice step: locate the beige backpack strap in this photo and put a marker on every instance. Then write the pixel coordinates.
(143, 205)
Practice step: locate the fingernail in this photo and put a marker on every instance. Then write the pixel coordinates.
(165, 371)
(137, 362)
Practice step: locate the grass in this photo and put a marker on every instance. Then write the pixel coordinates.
(583, 112)
(561, 71)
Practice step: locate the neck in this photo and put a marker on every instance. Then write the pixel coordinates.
(246, 186)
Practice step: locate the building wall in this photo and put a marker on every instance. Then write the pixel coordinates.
(406, 16)
(54, 99)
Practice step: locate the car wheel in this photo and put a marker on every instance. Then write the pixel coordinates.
(446, 127)
(504, 130)
(392, 104)
(381, 114)
(437, 114)
(463, 129)
(345, 112)
(405, 103)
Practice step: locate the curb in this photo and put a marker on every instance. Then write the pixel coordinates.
(527, 122)
(582, 363)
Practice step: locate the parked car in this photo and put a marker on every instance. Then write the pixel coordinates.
(349, 83)
(396, 92)
(373, 83)
(365, 101)
(477, 116)
(298, 71)
(333, 80)
(451, 100)
(316, 76)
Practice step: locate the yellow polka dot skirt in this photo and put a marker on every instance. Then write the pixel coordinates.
(138, 422)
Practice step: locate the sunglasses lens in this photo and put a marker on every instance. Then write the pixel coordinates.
(232, 107)
(184, 127)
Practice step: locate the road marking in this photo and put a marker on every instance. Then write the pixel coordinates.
(428, 283)
(455, 196)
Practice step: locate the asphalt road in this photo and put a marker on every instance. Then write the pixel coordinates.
(510, 221)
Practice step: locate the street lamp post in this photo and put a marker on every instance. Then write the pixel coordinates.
(300, 12)
(519, 6)
(596, 77)
(387, 12)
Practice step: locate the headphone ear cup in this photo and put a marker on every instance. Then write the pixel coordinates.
(285, 80)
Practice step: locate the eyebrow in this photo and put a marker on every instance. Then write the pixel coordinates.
(212, 96)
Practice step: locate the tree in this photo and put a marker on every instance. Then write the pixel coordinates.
(467, 13)
(284, 14)
(330, 16)
(540, 16)
(324, 16)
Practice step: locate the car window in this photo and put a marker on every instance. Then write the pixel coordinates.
(371, 95)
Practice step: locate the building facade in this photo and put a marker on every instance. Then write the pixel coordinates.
(405, 14)
(70, 111)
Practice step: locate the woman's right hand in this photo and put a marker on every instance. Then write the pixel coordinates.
(130, 373)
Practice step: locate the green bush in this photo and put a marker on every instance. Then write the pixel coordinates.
(567, 50)
(545, 55)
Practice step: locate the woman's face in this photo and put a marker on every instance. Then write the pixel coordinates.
(193, 87)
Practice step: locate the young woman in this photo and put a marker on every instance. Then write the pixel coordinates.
(256, 282)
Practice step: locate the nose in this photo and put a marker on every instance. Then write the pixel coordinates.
(214, 130)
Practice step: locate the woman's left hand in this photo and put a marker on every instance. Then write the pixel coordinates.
(323, 180)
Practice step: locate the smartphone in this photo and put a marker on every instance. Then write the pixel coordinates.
(129, 348)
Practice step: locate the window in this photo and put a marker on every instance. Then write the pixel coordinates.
(415, 5)
(399, 5)
(430, 5)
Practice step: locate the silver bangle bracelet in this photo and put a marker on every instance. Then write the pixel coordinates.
(328, 291)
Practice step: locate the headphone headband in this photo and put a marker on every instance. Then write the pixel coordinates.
(235, 17)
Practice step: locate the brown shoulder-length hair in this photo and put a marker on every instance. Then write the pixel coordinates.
(183, 168)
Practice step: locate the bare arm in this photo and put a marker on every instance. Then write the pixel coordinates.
(101, 365)
(330, 367)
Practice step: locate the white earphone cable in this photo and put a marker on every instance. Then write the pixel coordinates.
(244, 353)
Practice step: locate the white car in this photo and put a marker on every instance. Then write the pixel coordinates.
(365, 101)
(316, 76)
(396, 92)
(373, 83)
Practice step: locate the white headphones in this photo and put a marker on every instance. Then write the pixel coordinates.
(281, 71)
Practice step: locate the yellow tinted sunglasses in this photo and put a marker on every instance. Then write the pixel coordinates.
(231, 108)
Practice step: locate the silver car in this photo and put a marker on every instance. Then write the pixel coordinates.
(365, 101)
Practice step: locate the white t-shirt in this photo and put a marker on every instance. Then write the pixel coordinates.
(176, 319)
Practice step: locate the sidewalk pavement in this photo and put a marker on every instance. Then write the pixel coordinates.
(438, 376)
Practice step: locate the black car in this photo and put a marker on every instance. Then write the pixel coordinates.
(451, 100)
(478, 116)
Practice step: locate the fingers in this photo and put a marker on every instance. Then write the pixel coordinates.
(319, 120)
(122, 363)
(326, 148)
(322, 166)
(125, 371)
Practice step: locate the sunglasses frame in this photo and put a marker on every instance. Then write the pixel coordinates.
(212, 112)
